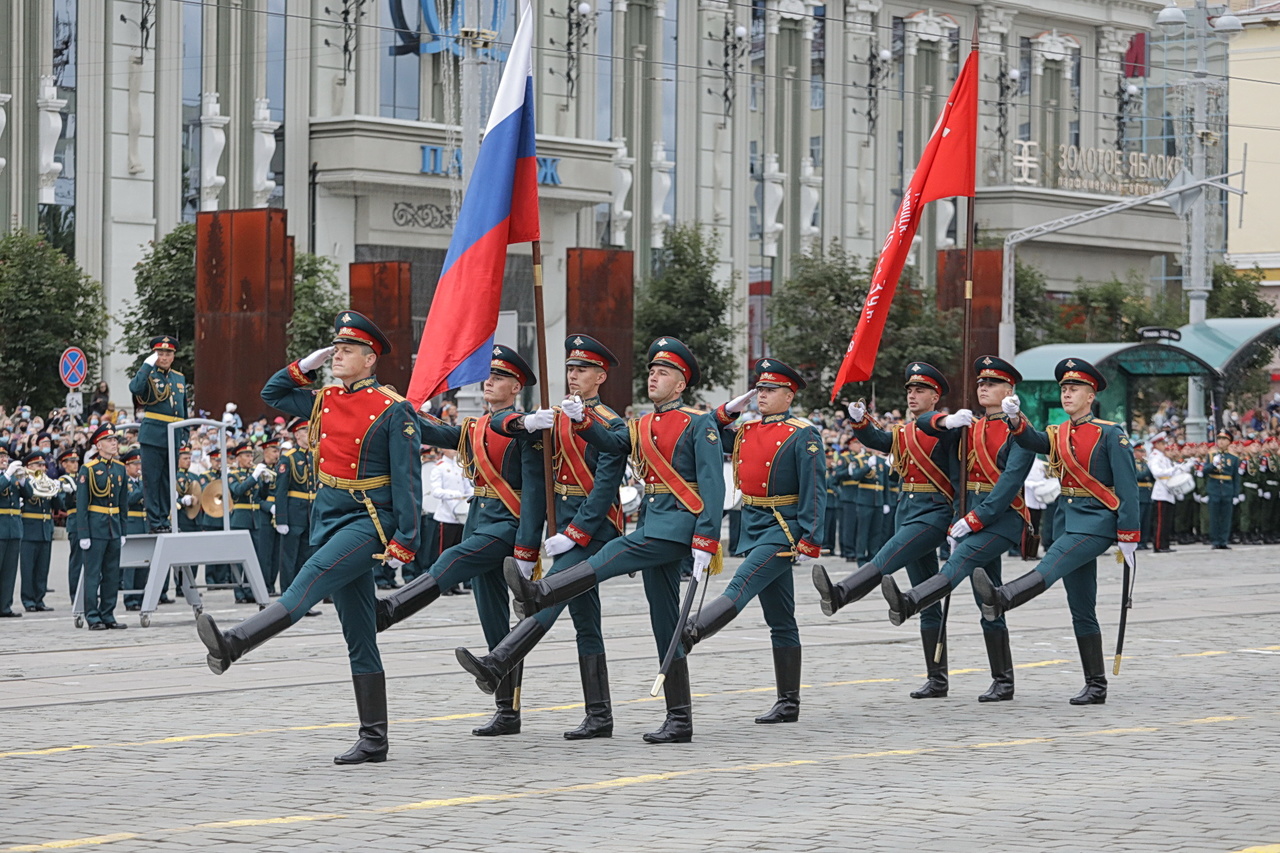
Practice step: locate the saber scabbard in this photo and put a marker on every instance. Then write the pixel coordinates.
(675, 639)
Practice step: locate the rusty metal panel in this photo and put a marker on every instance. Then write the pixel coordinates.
(599, 301)
(383, 290)
(987, 264)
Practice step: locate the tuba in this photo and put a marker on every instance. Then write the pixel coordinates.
(42, 485)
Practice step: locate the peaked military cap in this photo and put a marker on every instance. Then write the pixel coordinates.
(586, 351)
(672, 353)
(271, 441)
(103, 431)
(508, 362)
(241, 447)
(184, 449)
(772, 373)
(298, 423)
(1222, 433)
(68, 454)
(214, 451)
(1077, 371)
(33, 456)
(165, 342)
(130, 455)
(352, 327)
(996, 368)
(920, 373)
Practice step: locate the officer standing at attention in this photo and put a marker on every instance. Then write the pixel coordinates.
(778, 464)
(1146, 482)
(101, 498)
(70, 462)
(587, 511)
(926, 461)
(506, 518)
(161, 392)
(846, 462)
(135, 522)
(245, 483)
(832, 526)
(11, 475)
(1222, 480)
(1100, 490)
(676, 450)
(266, 540)
(366, 510)
(37, 535)
(868, 499)
(294, 493)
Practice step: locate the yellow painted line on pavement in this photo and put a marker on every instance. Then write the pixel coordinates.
(601, 785)
(1266, 848)
(1202, 654)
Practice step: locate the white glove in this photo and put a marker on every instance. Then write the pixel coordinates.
(258, 471)
(701, 560)
(539, 420)
(67, 488)
(1128, 549)
(526, 568)
(271, 508)
(857, 411)
(152, 359)
(86, 544)
(1217, 460)
(123, 539)
(1266, 496)
(311, 362)
(392, 563)
(1239, 499)
(14, 467)
(188, 500)
(803, 558)
(887, 509)
(1011, 405)
(850, 469)
(737, 404)
(572, 406)
(951, 544)
(558, 544)
(282, 529)
(960, 418)
(960, 529)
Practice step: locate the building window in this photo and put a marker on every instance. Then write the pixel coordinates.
(815, 151)
(192, 62)
(399, 73)
(277, 51)
(1024, 66)
(817, 92)
(57, 220)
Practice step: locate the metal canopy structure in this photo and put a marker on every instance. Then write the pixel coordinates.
(1225, 342)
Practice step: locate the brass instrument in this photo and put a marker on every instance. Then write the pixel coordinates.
(42, 485)
(211, 499)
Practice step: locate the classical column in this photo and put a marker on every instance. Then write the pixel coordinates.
(264, 147)
(619, 216)
(213, 139)
(4, 121)
(49, 122)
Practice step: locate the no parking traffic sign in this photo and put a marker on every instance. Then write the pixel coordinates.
(73, 367)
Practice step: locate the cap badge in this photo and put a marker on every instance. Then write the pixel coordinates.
(578, 341)
(1070, 363)
(497, 350)
(662, 342)
(346, 318)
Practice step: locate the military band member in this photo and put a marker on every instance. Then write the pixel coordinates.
(294, 493)
(1146, 481)
(587, 511)
(1162, 469)
(11, 475)
(37, 534)
(215, 573)
(506, 518)
(1100, 490)
(70, 462)
(1222, 483)
(247, 486)
(831, 528)
(186, 478)
(366, 510)
(995, 520)
(926, 460)
(847, 461)
(867, 499)
(102, 504)
(266, 540)
(161, 392)
(778, 465)
(676, 450)
(135, 522)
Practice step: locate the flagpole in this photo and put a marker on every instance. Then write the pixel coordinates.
(966, 363)
(548, 457)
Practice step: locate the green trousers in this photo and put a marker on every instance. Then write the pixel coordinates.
(979, 550)
(1220, 511)
(9, 550)
(767, 574)
(478, 558)
(35, 571)
(157, 494)
(101, 580)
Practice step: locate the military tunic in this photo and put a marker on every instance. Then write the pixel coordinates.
(10, 538)
(162, 394)
(135, 522)
(294, 492)
(75, 560)
(1222, 485)
(102, 502)
(846, 462)
(246, 494)
(37, 542)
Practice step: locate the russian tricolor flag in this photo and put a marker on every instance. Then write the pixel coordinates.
(499, 208)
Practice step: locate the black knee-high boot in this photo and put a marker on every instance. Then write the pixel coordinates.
(1095, 672)
(227, 647)
(491, 669)
(371, 705)
(1017, 592)
(553, 589)
(937, 685)
(786, 673)
(406, 601)
(1001, 659)
(595, 692)
(678, 727)
(855, 586)
(718, 613)
(902, 606)
(507, 697)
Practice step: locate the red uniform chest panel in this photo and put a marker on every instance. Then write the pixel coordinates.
(992, 436)
(1083, 439)
(912, 472)
(494, 446)
(345, 420)
(666, 428)
(757, 450)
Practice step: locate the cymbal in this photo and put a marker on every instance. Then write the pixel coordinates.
(193, 489)
(211, 499)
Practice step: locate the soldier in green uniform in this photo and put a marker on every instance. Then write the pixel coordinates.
(101, 498)
(778, 465)
(266, 540)
(37, 534)
(70, 462)
(1222, 485)
(1146, 482)
(366, 510)
(11, 475)
(135, 522)
(294, 492)
(868, 499)
(832, 526)
(1270, 491)
(1245, 519)
(676, 450)
(186, 478)
(161, 392)
(850, 459)
(247, 485)
(1100, 490)
(891, 489)
(214, 573)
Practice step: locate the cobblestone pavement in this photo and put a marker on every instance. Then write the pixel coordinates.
(124, 739)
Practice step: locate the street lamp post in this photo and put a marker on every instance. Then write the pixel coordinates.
(1196, 278)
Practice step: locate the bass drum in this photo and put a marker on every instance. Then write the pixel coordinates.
(629, 497)
(1181, 483)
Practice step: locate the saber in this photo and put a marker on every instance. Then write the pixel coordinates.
(675, 639)
(1126, 603)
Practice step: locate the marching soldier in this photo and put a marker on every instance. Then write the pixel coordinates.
(10, 528)
(161, 392)
(1100, 488)
(246, 485)
(995, 521)
(366, 510)
(135, 522)
(102, 503)
(70, 462)
(1146, 482)
(1222, 484)
(505, 519)
(293, 497)
(926, 462)
(778, 465)
(37, 533)
(676, 450)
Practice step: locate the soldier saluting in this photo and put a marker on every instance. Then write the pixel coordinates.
(366, 511)
(1099, 502)
(161, 391)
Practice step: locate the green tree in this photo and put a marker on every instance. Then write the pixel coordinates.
(48, 304)
(816, 310)
(683, 300)
(1238, 293)
(165, 299)
(1115, 310)
(317, 299)
(1038, 317)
